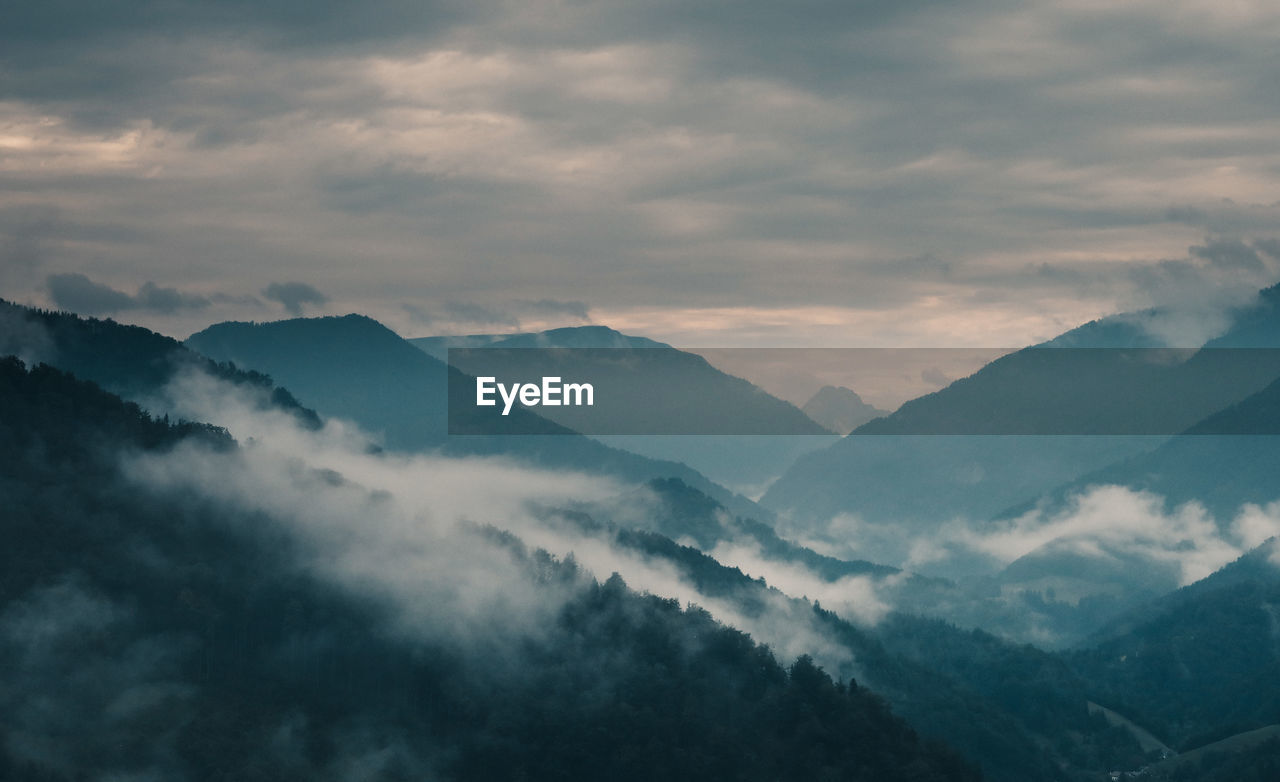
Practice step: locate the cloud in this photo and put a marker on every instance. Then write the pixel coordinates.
(76, 292)
(1112, 524)
(24, 236)
(402, 528)
(1256, 524)
(554, 308)
(25, 337)
(456, 317)
(1229, 253)
(1227, 217)
(853, 597)
(294, 296)
(167, 300)
(462, 316)
(1009, 167)
(934, 376)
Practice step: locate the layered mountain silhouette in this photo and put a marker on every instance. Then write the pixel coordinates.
(150, 631)
(355, 368)
(1222, 462)
(1036, 419)
(1228, 458)
(647, 391)
(639, 389)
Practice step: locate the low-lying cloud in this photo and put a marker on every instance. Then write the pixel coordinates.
(402, 527)
(1116, 524)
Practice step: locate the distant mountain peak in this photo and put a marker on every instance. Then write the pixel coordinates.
(840, 409)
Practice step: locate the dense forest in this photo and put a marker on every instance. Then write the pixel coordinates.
(161, 635)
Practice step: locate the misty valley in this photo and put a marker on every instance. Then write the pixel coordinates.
(272, 551)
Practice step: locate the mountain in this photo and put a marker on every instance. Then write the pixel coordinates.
(1255, 326)
(839, 409)
(355, 368)
(1199, 664)
(130, 361)
(641, 387)
(1208, 464)
(148, 633)
(1251, 756)
(651, 399)
(1017, 711)
(1227, 458)
(1021, 427)
(568, 337)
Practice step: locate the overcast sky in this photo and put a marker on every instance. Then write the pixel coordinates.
(708, 173)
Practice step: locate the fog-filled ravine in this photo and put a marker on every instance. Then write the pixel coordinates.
(259, 554)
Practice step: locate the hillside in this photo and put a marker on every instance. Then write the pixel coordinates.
(1201, 660)
(355, 368)
(156, 633)
(133, 362)
(1019, 712)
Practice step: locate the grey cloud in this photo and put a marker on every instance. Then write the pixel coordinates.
(664, 154)
(167, 300)
(76, 292)
(230, 298)
(576, 310)
(24, 244)
(317, 22)
(24, 337)
(461, 313)
(934, 376)
(294, 296)
(478, 313)
(1222, 266)
(1269, 246)
(1229, 254)
(459, 316)
(35, 232)
(1187, 214)
(1227, 217)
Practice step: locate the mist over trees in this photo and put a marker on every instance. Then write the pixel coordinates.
(151, 634)
(175, 603)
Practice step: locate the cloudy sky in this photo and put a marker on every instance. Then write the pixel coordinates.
(710, 173)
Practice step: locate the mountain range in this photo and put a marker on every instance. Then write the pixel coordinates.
(1099, 404)
(282, 599)
(664, 403)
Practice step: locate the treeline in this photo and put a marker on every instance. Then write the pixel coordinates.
(130, 361)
